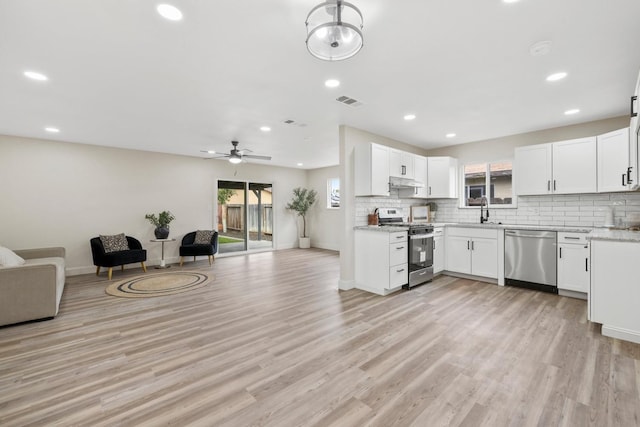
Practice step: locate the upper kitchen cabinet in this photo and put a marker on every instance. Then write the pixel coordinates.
(564, 167)
(401, 164)
(614, 171)
(420, 175)
(575, 166)
(532, 169)
(371, 170)
(442, 178)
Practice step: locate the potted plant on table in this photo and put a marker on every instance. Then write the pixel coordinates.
(161, 222)
(301, 202)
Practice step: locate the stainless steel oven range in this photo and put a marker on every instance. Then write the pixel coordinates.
(420, 247)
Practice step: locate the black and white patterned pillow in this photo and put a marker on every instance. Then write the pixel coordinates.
(115, 243)
(203, 237)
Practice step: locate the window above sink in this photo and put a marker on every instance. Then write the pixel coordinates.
(493, 180)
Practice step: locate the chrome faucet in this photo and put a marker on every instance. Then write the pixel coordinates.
(483, 204)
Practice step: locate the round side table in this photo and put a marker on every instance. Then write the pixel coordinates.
(163, 241)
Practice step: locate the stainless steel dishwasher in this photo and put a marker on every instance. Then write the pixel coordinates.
(530, 259)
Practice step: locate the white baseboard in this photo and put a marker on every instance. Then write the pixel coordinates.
(332, 246)
(621, 333)
(345, 285)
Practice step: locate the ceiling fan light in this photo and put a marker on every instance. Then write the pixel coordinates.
(235, 159)
(334, 30)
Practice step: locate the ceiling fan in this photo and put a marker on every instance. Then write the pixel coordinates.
(235, 156)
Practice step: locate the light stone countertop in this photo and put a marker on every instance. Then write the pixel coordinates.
(489, 225)
(617, 235)
(385, 229)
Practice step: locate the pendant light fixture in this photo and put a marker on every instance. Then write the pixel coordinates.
(334, 30)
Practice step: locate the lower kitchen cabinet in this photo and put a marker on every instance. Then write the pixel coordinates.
(573, 262)
(615, 288)
(381, 260)
(438, 250)
(472, 251)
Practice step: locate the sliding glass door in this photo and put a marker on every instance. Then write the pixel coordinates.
(245, 216)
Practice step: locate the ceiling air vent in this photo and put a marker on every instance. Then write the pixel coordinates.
(293, 122)
(349, 101)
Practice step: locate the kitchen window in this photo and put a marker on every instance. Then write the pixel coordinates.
(492, 180)
(333, 193)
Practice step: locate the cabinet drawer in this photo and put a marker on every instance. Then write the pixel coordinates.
(439, 231)
(398, 275)
(398, 253)
(569, 237)
(398, 236)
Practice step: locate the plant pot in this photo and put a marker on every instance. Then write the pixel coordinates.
(161, 232)
(304, 242)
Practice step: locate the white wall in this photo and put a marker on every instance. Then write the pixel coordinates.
(62, 194)
(323, 223)
(502, 148)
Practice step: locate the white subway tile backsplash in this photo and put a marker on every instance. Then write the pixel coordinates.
(575, 210)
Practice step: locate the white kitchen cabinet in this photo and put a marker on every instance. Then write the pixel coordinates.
(371, 170)
(634, 176)
(472, 251)
(613, 161)
(401, 164)
(438, 250)
(532, 171)
(420, 175)
(442, 177)
(381, 260)
(615, 288)
(573, 262)
(575, 166)
(563, 167)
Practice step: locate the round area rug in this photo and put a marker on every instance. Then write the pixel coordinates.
(157, 285)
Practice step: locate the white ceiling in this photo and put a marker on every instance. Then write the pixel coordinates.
(120, 75)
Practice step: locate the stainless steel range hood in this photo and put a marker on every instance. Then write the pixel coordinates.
(395, 182)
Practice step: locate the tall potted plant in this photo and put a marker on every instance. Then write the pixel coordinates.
(161, 222)
(301, 202)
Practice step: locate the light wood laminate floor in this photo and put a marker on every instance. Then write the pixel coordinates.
(273, 343)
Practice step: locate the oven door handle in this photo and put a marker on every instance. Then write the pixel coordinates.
(420, 236)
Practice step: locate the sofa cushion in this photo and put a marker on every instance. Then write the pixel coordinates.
(203, 237)
(8, 258)
(115, 243)
(60, 275)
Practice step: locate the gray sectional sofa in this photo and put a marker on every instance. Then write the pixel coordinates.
(32, 291)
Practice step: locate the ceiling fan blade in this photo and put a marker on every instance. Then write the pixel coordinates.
(223, 156)
(253, 156)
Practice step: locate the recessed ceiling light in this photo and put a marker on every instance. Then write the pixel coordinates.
(52, 129)
(265, 128)
(540, 48)
(410, 117)
(169, 12)
(510, 1)
(450, 135)
(332, 83)
(572, 111)
(299, 164)
(36, 76)
(556, 76)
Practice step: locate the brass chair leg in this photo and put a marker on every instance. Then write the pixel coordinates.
(122, 268)
(210, 259)
(143, 267)
(181, 259)
(98, 271)
(194, 258)
(110, 272)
